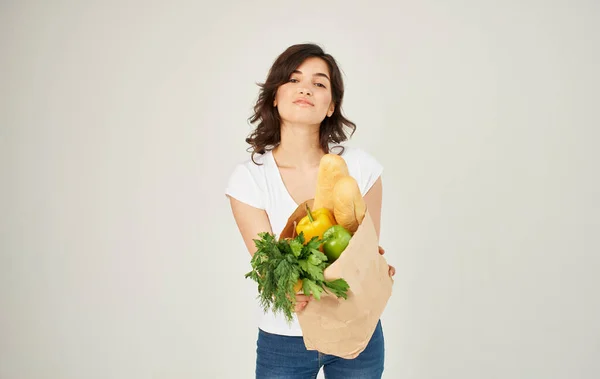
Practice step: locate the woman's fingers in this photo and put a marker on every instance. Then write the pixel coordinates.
(301, 302)
(392, 270)
(300, 297)
(300, 305)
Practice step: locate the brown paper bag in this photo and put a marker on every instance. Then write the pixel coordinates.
(343, 327)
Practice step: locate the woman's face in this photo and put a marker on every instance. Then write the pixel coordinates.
(306, 97)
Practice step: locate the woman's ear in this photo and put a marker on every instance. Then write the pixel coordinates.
(331, 110)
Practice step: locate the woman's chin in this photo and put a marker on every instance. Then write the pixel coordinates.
(302, 120)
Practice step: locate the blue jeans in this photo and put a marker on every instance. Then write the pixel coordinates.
(286, 357)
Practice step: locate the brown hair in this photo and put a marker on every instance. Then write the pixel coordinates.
(267, 135)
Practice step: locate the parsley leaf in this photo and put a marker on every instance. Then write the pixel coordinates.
(339, 287)
(310, 270)
(310, 286)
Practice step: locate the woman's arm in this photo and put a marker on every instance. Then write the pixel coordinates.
(250, 221)
(373, 200)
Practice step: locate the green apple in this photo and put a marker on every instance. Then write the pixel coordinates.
(335, 241)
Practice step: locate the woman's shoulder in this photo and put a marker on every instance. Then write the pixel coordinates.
(254, 163)
(251, 169)
(247, 181)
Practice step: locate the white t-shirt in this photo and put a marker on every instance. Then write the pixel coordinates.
(262, 187)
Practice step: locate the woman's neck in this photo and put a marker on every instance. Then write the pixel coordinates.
(299, 147)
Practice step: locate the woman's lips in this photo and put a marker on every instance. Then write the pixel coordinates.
(303, 102)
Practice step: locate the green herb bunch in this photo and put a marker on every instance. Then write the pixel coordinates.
(278, 264)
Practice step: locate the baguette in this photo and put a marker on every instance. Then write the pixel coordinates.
(331, 168)
(349, 207)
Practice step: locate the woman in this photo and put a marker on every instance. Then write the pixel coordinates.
(299, 115)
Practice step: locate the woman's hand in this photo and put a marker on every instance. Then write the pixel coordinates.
(301, 302)
(391, 270)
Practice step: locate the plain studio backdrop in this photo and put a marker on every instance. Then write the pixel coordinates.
(121, 122)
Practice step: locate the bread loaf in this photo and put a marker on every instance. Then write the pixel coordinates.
(331, 168)
(349, 207)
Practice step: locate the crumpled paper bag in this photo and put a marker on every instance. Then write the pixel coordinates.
(343, 327)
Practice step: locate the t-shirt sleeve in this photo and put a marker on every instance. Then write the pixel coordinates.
(243, 187)
(370, 170)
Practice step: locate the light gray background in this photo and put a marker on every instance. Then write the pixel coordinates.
(121, 121)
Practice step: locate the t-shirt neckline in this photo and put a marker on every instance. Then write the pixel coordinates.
(277, 173)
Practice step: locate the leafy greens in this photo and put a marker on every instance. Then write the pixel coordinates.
(278, 264)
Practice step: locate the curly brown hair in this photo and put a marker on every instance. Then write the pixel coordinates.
(267, 134)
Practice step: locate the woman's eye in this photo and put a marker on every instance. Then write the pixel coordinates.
(293, 80)
(320, 85)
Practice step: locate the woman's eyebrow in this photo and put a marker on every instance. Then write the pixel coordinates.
(317, 74)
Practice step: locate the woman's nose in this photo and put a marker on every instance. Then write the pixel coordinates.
(304, 91)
